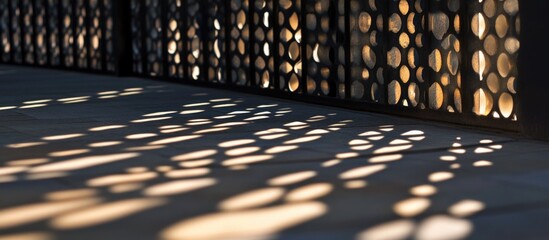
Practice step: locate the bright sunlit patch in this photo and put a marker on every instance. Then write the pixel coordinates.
(347, 155)
(195, 155)
(73, 99)
(466, 208)
(33, 106)
(252, 199)
(7, 108)
(411, 207)
(361, 172)
(38, 101)
(150, 119)
(67, 153)
(141, 136)
(220, 100)
(399, 229)
(241, 151)
(104, 144)
(423, 190)
(235, 143)
(107, 93)
(281, 149)
(302, 140)
(392, 149)
(12, 170)
(187, 173)
(70, 194)
(355, 184)
(291, 178)
(178, 187)
(196, 163)
(273, 136)
(84, 162)
(62, 137)
(256, 118)
(271, 131)
(173, 130)
(120, 178)
(331, 163)
(251, 224)
(317, 132)
(246, 160)
(125, 187)
(196, 104)
(104, 213)
(440, 176)
(483, 163)
(28, 236)
(25, 214)
(309, 192)
(28, 162)
(25, 145)
(156, 114)
(145, 148)
(174, 140)
(481, 150)
(187, 112)
(443, 227)
(105, 128)
(385, 158)
(448, 158)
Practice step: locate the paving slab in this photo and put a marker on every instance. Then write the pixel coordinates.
(86, 156)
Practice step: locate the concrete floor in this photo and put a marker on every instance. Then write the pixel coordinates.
(96, 157)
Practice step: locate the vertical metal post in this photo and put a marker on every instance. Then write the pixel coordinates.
(34, 22)
(304, 40)
(60, 36)
(533, 84)
(164, 36)
(122, 37)
(22, 32)
(87, 42)
(10, 32)
(228, 41)
(103, 29)
(251, 43)
(143, 17)
(347, 38)
(466, 67)
(275, 47)
(47, 39)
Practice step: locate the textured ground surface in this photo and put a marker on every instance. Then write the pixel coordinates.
(96, 157)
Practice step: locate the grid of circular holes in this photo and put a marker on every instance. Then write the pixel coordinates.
(289, 48)
(216, 42)
(239, 41)
(193, 43)
(67, 41)
(366, 51)
(176, 40)
(263, 47)
(28, 31)
(4, 39)
(321, 47)
(95, 34)
(153, 41)
(40, 27)
(496, 27)
(405, 26)
(109, 48)
(81, 34)
(445, 58)
(137, 44)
